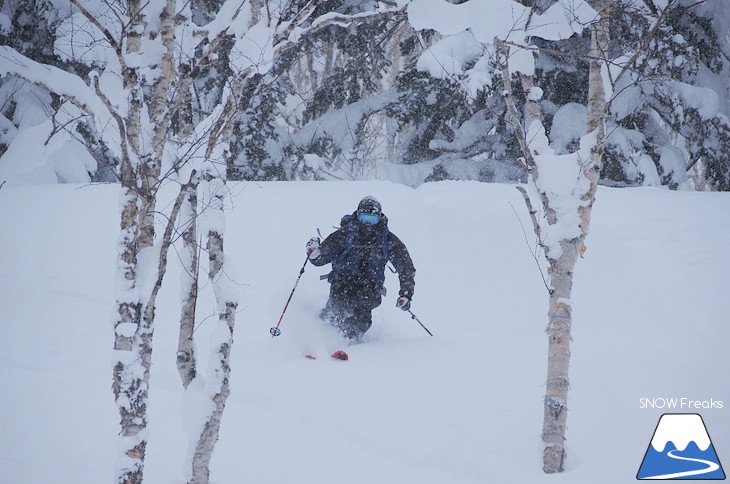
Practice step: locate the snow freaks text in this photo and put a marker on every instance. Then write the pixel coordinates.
(679, 403)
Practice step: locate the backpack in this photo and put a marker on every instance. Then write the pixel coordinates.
(350, 259)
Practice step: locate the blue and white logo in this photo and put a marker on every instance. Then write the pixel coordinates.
(681, 449)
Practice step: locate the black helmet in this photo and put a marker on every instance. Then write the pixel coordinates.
(368, 211)
(369, 204)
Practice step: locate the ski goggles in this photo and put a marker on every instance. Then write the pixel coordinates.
(368, 218)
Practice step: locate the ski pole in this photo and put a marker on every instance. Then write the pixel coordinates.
(275, 331)
(413, 316)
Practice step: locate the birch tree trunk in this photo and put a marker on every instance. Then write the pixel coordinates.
(597, 102)
(136, 300)
(217, 385)
(561, 270)
(186, 360)
(134, 330)
(133, 333)
(563, 253)
(560, 320)
(132, 349)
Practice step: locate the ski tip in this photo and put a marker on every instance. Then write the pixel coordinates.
(311, 357)
(340, 355)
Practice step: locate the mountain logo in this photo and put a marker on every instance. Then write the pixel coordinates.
(681, 449)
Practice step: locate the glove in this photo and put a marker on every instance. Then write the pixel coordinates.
(404, 303)
(313, 248)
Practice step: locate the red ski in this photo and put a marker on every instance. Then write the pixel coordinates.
(337, 355)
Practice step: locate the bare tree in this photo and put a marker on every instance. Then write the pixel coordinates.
(218, 381)
(560, 210)
(210, 138)
(131, 103)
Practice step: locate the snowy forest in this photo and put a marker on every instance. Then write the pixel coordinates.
(350, 90)
(180, 108)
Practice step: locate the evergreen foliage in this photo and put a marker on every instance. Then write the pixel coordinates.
(344, 99)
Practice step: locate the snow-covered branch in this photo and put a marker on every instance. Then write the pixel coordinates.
(53, 80)
(527, 161)
(340, 20)
(287, 27)
(647, 39)
(116, 45)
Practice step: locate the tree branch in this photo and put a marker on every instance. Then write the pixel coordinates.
(527, 162)
(125, 170)
(109, 37)
(295, 22)
(536, 226)
(647, 38)
(331, 19)
(64, 84)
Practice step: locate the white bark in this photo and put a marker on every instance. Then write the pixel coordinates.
(561, 270)
(131, 345)
(131, 371)
(562, 254)
(217, 382)
(186, 360)
(134, 329)
(132, 102)
(136, 298)
(134, 326)
(560, 320)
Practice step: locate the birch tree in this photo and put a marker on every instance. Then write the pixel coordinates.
(268, 36)
(560, 198)
(561, 188)
(560, 201)
(272, 34)
(146, 60)
(190, 258)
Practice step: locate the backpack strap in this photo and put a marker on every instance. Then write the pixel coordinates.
(346, 223)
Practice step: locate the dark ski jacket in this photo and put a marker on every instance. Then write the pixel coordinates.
(358, 255)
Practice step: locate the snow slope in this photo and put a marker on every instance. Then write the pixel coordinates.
(464, 406)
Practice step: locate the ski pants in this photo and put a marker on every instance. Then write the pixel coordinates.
(349, 308)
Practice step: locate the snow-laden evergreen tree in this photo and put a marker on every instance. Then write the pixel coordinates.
(667, 123)
(450, 113)
(318, 113)
(679, 90)
(353, 97)
(40, 30)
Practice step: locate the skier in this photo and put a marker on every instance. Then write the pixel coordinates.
(358, 252)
